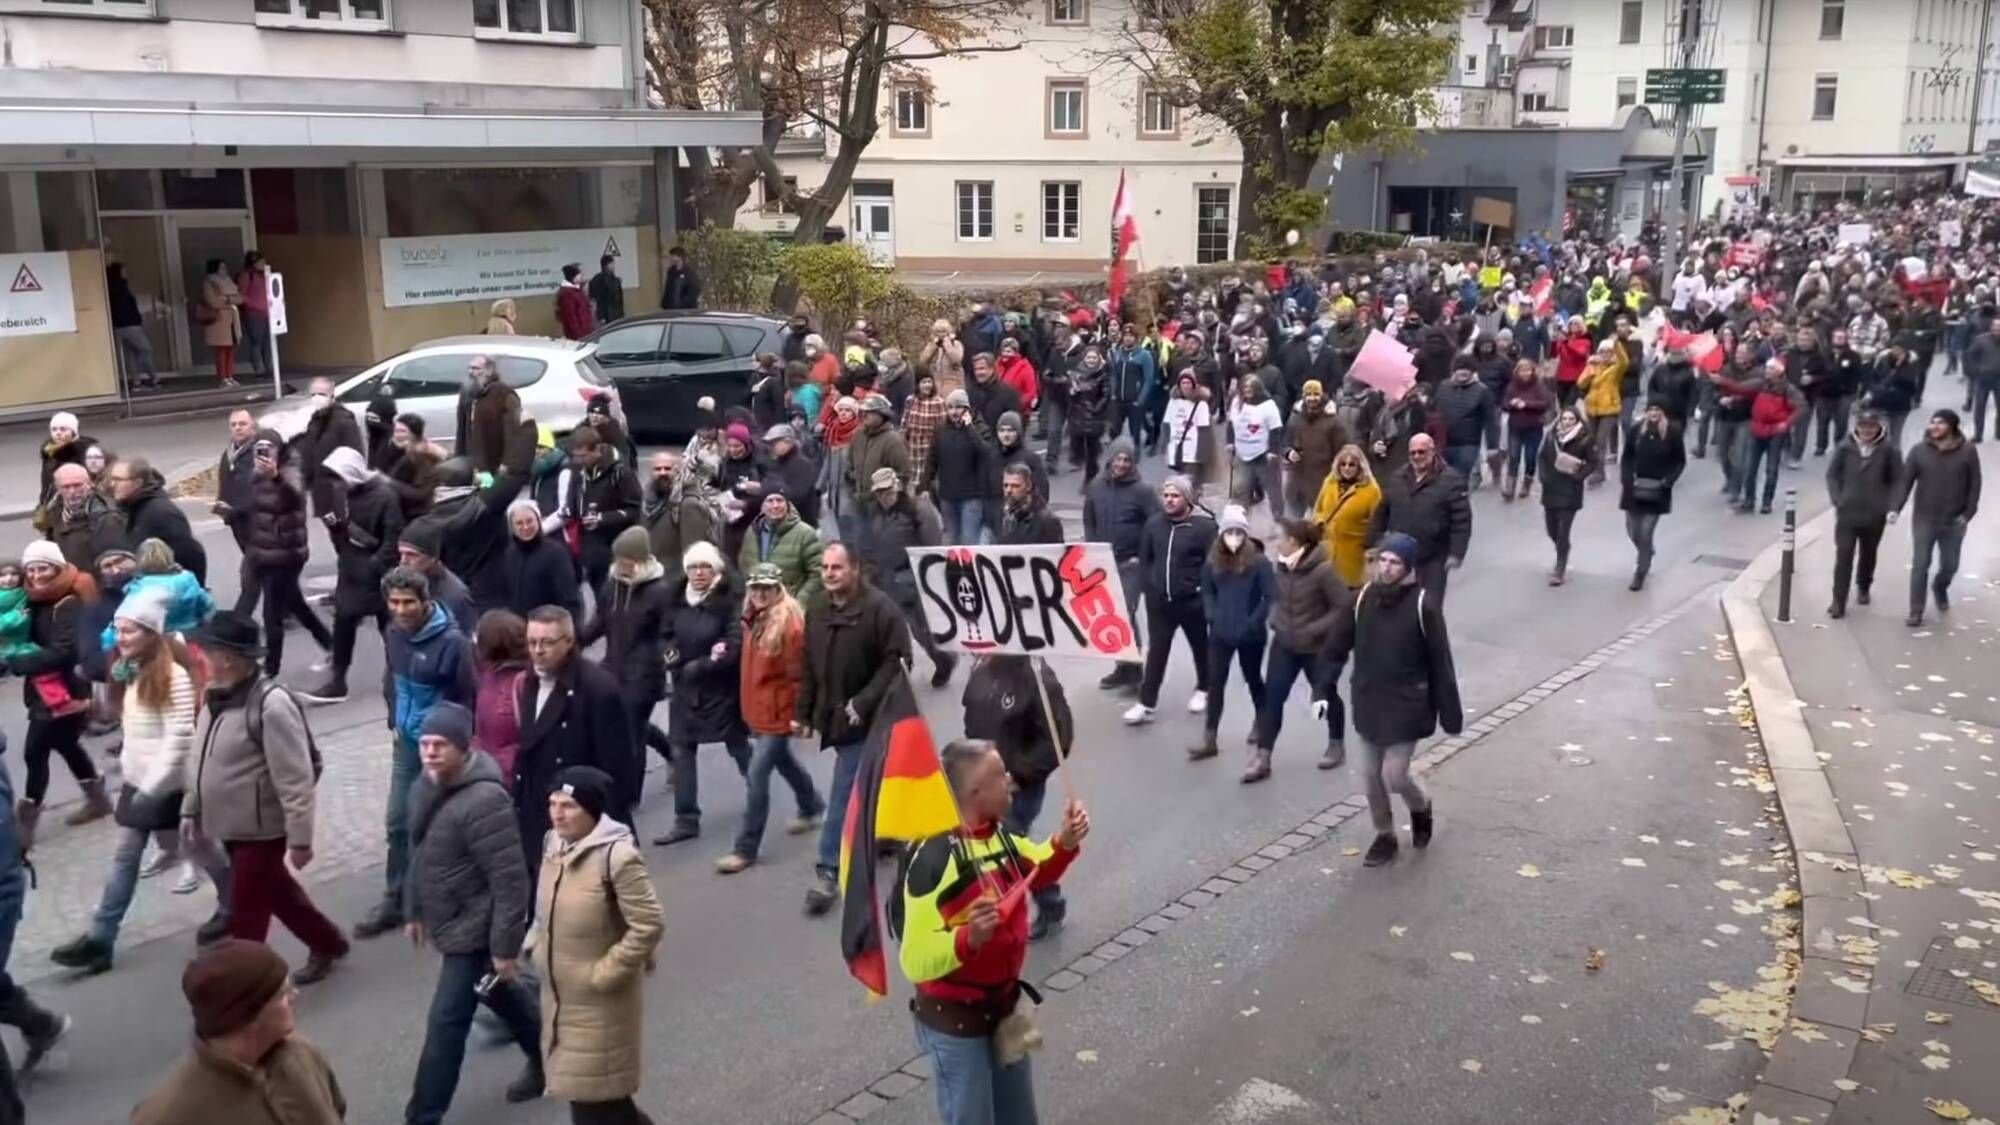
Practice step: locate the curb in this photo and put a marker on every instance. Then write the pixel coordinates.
(1798, 1073)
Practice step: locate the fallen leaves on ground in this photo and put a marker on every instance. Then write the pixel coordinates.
(1086, 1056)
(1594, 960)
(1471, 1066)
(1398, 931)
(1987, 990)
(1937, 1017)
(1528, 871)
(1949, 1110)
(1461, 955)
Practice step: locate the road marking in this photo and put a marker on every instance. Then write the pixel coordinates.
(1258, 1101)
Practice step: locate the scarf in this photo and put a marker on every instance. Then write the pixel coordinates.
(1567, 427)
(445, 493)
(69, 580)
(696, 597)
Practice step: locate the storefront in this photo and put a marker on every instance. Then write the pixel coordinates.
(1818, 183)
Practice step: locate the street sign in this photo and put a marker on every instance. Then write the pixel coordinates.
(275, 283)
(1684, 86)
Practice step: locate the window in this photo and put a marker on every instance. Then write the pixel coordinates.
(1472, 64)
(913, 111)
(428, 375)
(975, 211)
(1631, 18)
(342, 15)
(1072, 12)
(1060, 205)
(518, 371)
(539, 19)
(1628, 92)
(81, 7)
(1536, 103)
(1213, 229)
(427, 201)
(1158, 117)
(1826, 95)
(697, 343)
(631, 346)
(1554, 37)
(1066, 109)
(1832, 18)
(779, 205)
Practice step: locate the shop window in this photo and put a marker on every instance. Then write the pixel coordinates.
(114, 8)
(332, 15)
(69, 218)
(127, 190)
(436, 201)
(204, 189)
(302, 201)
(536, 19)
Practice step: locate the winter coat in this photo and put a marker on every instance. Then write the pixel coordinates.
(673, 528)
(1775, 409)
(1470, 415)
(1024, 454)
(793, 547)
(1861, 487)
(97, 527)
(1343, 516)
(1946, 482)
(770, 680)
(149, 514)
(632, 619)
(681, 289)
(1003, 706)
(467, 881)
(291, 1085)
(235, 477)
(573, 311)
(585, 723)
(1651, 455)
(496, 722)
(1405, 685)
(366, 546)
(1563, 492)
(1527, 407)
(1310, 594)
(220, 297)
(991, 399)
(891, 532)
(1603, 395)
(854, 652)
(1676, 386)
(883, 449)
(607, 296)
(1116, 511)
(798, 475)
(1032, 523)
(55, 457)
(159, 741)
(1434, 511)
(239, 790)
(55, 631)
(1317, 439)
(1892, 387)
(1171, 555)
(430, 666)
(275, 520)
(612, 493)
(325, 432)
(961, 465)
(540, 572)
(496, 414)
(704, 707)
(1238, 603)
(1572, 354)
(597, 923)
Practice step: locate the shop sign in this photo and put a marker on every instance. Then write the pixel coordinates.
(35, 295)
(483, 267)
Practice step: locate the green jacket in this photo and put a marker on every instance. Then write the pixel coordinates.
(794, 550)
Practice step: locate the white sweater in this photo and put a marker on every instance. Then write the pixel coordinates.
(1255, 426)
(159, 741)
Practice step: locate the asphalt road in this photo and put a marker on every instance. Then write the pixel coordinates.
(748, 991)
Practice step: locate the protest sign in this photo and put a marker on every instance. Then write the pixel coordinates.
(1385, 365)
(1856, 234)
(1045, 599)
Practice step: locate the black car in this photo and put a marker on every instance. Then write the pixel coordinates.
(664, 362)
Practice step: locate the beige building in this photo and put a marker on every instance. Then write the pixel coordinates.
(1008, 162)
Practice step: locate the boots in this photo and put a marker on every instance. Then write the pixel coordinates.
(1420, 826)
(386, 916)
(1048, 920)
(529, 1084)
(1381, 851)
(96, 806)
(86, 954)
(1335, 756)
(1206, 749)
(683, 829)
(26, 815)
(1259, 767)
(1123, 677)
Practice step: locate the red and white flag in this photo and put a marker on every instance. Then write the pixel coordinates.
(1124, 232)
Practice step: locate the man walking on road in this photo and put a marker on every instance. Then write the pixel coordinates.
(571, 715)
(235, 485)
(1982, 377)
(468, 896)
(1117, 506)
(1172, 550)
(894, 523)
(856, 645)
(1942, 471)
(82, 524)
(1426, 502)
(1860, 482)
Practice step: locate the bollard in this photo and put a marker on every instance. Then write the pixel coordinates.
(1790, 543)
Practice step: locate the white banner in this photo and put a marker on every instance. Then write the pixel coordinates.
(1984, 185)
(1054, 599)
(35, 295)
(1856, 234)
(483, 267)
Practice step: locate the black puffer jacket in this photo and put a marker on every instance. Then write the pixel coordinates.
(540, 573)
(632, 619)
(613, 493)
(1171, 555)
(367, 547)
(1002, 706)
(468, 882)
(892, 531)
(276, 510)
(325, 432)
(1116, 511)
(707, 703)
(1433, 511)
(1310, 596)
(1405, 685)
(853, 653)
(151, 515)
(962, 463)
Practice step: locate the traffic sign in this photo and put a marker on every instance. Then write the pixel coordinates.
(1684, 86)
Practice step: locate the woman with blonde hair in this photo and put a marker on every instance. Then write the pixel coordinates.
(161, 699)
(1347, 501)
(774, 652)
(219, 314)
(501, 322)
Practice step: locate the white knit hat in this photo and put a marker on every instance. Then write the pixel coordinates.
(42, 551)
(146, 609)
(700, 553)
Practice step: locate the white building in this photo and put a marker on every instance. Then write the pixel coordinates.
(402, 162)
(1008, 162)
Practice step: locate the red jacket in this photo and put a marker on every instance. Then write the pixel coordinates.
(1770, 413)
(771, 680)
(1572, 353)
(1018, 373)
(573, 311)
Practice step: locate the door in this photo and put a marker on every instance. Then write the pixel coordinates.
(874, 230)
(193, 241)
(634, 355)
(137, 243)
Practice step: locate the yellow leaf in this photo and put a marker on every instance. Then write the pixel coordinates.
(1949, 1110)
(1529, 871)
(1594, 960)
(1086, 1056)
(1463, 956)
(1937, 1017)
(1936, 1062)
(1471, 1066)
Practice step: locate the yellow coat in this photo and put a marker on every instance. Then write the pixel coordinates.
(595, 955)
(1601, 385)
(1343, 521)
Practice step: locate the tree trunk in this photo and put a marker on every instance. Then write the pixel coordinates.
(1249, 194)
(813, 211)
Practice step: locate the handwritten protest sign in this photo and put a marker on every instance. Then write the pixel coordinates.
(1050, 599)
(1385, 365)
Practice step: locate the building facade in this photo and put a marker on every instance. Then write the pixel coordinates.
(402, 164)
(1008, 162)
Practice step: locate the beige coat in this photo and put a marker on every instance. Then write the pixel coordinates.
(220, 293)
(595, 955)
(501, 322)
(293, 1085)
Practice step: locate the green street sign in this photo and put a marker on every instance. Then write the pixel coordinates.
(1684, 86)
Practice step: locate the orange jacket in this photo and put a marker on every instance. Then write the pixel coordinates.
(771, 681)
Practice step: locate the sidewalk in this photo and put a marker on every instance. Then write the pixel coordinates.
(180, 447)
(1881, 739)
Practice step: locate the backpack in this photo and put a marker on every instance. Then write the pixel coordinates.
(253, 721)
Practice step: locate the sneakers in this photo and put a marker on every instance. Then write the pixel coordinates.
(1381, 851)
(1861, 595)
(1197, 703)
(213, 930)
(802, 824)
(96, 806)
(1557, 576)
(162, 860)
(528, 1085)
(1138, 714)
(682, 830)
(386, 916)
(87, 955)
(332, 690)
(1335, 756)
(1257, 769)
(43, 1040)
(1421, 821)
(1205, 749)
(821, 896)
(316, 969)
(189, 881)
(1125, 677)
(1048, 922)
(732, 863)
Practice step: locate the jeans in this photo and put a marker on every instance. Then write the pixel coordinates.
(1055, 416)
(846, 763)
(450, 1019)
(1022, 810)
(1524, 451)
(1162, 618)
(687, 775)
(1388, 768)
(55, 735)
(123, 881)
(135, 351)
(282, 597)
(1984, 391)
(972, 1088)
(1768, 451)
(1249, 656)
(1249, 478)
(256, 345)
(1829, 416)
(1846, 537)
(1925, 539)
(1732, 442)
(1639, 527)
(964, 521)
(772, 752)
(1464, 460)
(1557, 522)
(1285, 667)
(404, 766)
(346, 626)
(1604, 432)
(261, 887)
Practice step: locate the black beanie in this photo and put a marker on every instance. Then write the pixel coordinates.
(588, 786)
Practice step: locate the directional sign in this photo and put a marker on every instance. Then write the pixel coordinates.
(1684, 86)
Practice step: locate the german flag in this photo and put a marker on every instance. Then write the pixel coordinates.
(899, 794)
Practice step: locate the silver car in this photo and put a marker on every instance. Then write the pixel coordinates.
(555, 379)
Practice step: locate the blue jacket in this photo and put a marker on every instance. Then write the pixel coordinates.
(1131, 376)
(433, 664)
(1238, 603)
(188, 605)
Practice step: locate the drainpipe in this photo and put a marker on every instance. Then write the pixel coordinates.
(1764, 102)
(1375, 200)
(1979, 77)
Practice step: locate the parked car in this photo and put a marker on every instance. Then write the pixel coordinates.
(555, 379)
(664, 362)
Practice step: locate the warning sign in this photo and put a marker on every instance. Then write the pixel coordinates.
(38, 300)
(611, 248)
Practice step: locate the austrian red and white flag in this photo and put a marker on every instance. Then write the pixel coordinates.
(1124, 232)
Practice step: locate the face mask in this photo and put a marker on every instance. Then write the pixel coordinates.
(1233, 540)
(321, 402)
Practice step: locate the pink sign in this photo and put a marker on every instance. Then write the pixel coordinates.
(1385, 365)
